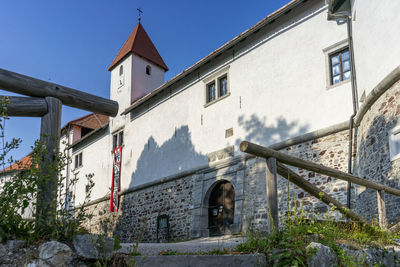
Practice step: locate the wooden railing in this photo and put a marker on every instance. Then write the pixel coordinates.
(275, 161)
(45, 101)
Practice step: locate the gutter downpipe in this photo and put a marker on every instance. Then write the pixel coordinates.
(354, 96)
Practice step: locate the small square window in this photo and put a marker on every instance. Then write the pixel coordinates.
(216, 87)
(340, 66)
(394, 143)
(211, 92)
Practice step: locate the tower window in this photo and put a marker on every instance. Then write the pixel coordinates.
(148, 70)
(121, 79)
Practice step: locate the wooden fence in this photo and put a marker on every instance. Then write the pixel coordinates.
(275, 161)
(45, 100)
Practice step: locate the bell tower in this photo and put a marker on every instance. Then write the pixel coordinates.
(137, 69)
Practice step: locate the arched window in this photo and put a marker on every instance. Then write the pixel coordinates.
(121, 70)
(148, 70)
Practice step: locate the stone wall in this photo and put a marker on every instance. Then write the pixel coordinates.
(140, 208)
(330, 151)
(373, 159)
(185, 199)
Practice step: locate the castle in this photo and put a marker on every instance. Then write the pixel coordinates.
(292, 81)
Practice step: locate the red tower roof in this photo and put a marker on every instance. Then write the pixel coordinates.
(140, 44)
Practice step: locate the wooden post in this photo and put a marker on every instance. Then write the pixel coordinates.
(381, 208)
(47, 193)
(272, 191)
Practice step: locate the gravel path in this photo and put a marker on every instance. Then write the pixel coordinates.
(193, 246)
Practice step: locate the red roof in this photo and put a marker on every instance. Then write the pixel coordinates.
(140, 44)
(22, 164)
(91, 121)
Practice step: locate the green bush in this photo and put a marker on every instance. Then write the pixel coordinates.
(18, 194)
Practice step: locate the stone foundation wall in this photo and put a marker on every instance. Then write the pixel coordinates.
(331, 151)
(185, 199)
(139, 211)
(373, 158)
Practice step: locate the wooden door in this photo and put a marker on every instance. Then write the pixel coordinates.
(221, 208)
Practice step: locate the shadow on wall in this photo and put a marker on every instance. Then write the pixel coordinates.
(173, 156)
(172, 198)
(374, 164)
(258, 132)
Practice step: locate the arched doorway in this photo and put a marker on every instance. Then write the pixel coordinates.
(221, 206)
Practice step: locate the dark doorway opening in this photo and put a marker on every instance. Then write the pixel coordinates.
(221, 206)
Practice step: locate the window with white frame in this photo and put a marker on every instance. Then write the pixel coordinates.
(78, 160)
(217, 87)
(394, 143)
(118, 139)
(338, 68)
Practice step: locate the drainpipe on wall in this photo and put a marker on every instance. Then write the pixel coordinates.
(332, 16)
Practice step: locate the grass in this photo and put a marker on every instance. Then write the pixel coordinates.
(288, 245)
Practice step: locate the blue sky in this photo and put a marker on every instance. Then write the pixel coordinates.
(73, 42)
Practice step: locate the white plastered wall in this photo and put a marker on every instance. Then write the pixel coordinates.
(277, 88)
(376, 38)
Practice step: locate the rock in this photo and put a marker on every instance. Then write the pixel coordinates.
(388, 258)
(14, 245)
(3, 250)
(323, 257)
(93, 246)
(55, 253)
(38, 263)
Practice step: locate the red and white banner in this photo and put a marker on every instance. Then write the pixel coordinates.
(116, 179)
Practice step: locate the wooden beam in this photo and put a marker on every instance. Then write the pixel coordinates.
(293, 177)
(46, 203)
(381, 208)
(25, 85)
(265, 152)
(24, 106)
(272, 191)
(394, 229)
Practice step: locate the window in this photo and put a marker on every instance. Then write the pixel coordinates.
(148, 70)
(222, 86)
(118, 139)
(78, 160)
(121, 79)
(394, 143)
(337, 62)
(340, 66)
(210, 92)
(216, 87)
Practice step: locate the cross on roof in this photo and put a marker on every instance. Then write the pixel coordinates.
(139, 11)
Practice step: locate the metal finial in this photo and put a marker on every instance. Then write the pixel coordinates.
(139, 11)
